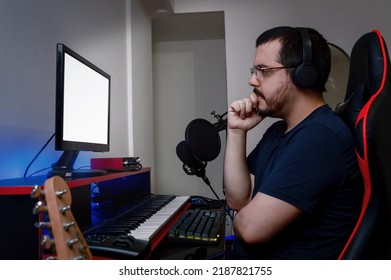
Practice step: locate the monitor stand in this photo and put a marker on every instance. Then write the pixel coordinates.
(64, 168)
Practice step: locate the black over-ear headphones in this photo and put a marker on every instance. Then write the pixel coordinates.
(306, 74)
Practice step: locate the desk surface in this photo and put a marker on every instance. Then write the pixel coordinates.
(23, 185)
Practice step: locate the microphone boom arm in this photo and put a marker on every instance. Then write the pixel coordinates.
(221, 123)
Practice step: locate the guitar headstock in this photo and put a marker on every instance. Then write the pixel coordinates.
(55, 198)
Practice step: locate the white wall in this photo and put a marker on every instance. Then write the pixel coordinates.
(189, 83)
(142, 114)
(29, 32)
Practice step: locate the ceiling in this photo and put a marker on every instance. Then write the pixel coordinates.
(169, 26)
(157, 7)
(188, 26)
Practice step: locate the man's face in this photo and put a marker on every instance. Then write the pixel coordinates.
(272, 86)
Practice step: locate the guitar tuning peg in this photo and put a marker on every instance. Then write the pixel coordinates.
(39, 207)
(46, 242)
(68, 225)
(84, 251)
(71, 242)
(61, 193)
(37, 192)
(83, 255)
(43, 225)
(64, 209)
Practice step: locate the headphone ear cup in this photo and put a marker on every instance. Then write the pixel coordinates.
(305, 75)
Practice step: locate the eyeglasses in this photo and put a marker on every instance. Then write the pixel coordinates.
(261, 72)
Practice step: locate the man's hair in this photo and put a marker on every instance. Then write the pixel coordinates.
(291, 52)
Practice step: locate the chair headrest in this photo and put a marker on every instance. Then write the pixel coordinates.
(366, 64)
(366, 75)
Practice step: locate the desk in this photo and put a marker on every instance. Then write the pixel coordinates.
(20, 239)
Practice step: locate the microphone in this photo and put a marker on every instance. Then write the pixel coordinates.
(191, 165)
(202, 144)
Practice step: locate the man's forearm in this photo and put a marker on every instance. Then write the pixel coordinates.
(237, 180)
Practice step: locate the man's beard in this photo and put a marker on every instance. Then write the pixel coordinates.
(273, 104)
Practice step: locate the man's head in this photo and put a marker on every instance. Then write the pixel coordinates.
(298, 46)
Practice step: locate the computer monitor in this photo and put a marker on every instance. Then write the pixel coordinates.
(82, 117)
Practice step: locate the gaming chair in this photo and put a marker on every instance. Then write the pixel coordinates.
(367, 111)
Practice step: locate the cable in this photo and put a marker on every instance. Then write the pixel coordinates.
(36, 156)
(38, 171)
(206, 180)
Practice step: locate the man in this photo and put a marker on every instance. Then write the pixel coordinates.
(295, 194)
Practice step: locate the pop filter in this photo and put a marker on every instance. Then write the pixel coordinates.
(203, 139)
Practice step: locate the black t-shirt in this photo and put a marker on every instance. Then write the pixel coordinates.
(312, 167)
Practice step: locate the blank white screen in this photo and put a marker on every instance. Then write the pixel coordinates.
(86, 103)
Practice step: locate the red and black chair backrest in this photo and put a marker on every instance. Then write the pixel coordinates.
(367, 110)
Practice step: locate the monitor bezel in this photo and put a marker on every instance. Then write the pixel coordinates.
(60, 143)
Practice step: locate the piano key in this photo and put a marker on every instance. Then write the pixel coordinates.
(146, 230)
(152, 225)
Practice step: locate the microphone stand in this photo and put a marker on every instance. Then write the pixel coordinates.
(207, 182)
